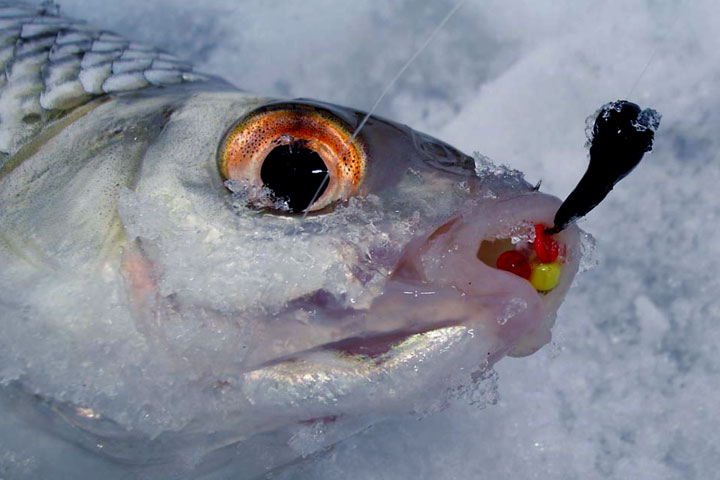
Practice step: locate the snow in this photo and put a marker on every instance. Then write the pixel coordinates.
(629, 387)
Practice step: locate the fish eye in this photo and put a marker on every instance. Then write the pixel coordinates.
(293, 157)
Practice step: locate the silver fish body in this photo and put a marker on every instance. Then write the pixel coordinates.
(164, 322)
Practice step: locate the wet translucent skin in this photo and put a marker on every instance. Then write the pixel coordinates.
(159, 320)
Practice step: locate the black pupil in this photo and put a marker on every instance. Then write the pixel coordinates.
(296, 174)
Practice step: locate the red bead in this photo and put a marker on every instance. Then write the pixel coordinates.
(514, 262)
(546, 247)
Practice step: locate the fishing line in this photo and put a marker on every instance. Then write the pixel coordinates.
(384, 93)
(647, 65)
(670, 29)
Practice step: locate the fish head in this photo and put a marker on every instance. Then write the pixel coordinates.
(386, 282)
(204, 304)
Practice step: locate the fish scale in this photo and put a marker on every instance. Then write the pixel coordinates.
(51, 64)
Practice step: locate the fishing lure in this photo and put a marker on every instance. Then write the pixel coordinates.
(621, 135)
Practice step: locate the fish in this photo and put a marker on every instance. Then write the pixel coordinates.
(201, 281)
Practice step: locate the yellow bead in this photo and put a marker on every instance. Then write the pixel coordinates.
(545, 276)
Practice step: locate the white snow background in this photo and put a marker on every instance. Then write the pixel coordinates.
(630, 387)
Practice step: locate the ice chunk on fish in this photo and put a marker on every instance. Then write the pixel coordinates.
(157, 317)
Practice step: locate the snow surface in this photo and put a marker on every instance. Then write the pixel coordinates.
(629, 388)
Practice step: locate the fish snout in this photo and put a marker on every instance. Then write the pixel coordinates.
(509, 277)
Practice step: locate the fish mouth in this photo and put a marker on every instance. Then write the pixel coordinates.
(468, 254)
(449, 280)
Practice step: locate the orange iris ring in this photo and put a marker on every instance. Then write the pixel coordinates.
(249, 141)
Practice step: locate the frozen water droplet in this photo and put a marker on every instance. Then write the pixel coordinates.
(588, 259)
(463, 187)
(484, 166)
(514, 306)
(523, 232)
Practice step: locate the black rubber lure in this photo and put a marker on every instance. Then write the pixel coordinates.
(621, 135)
